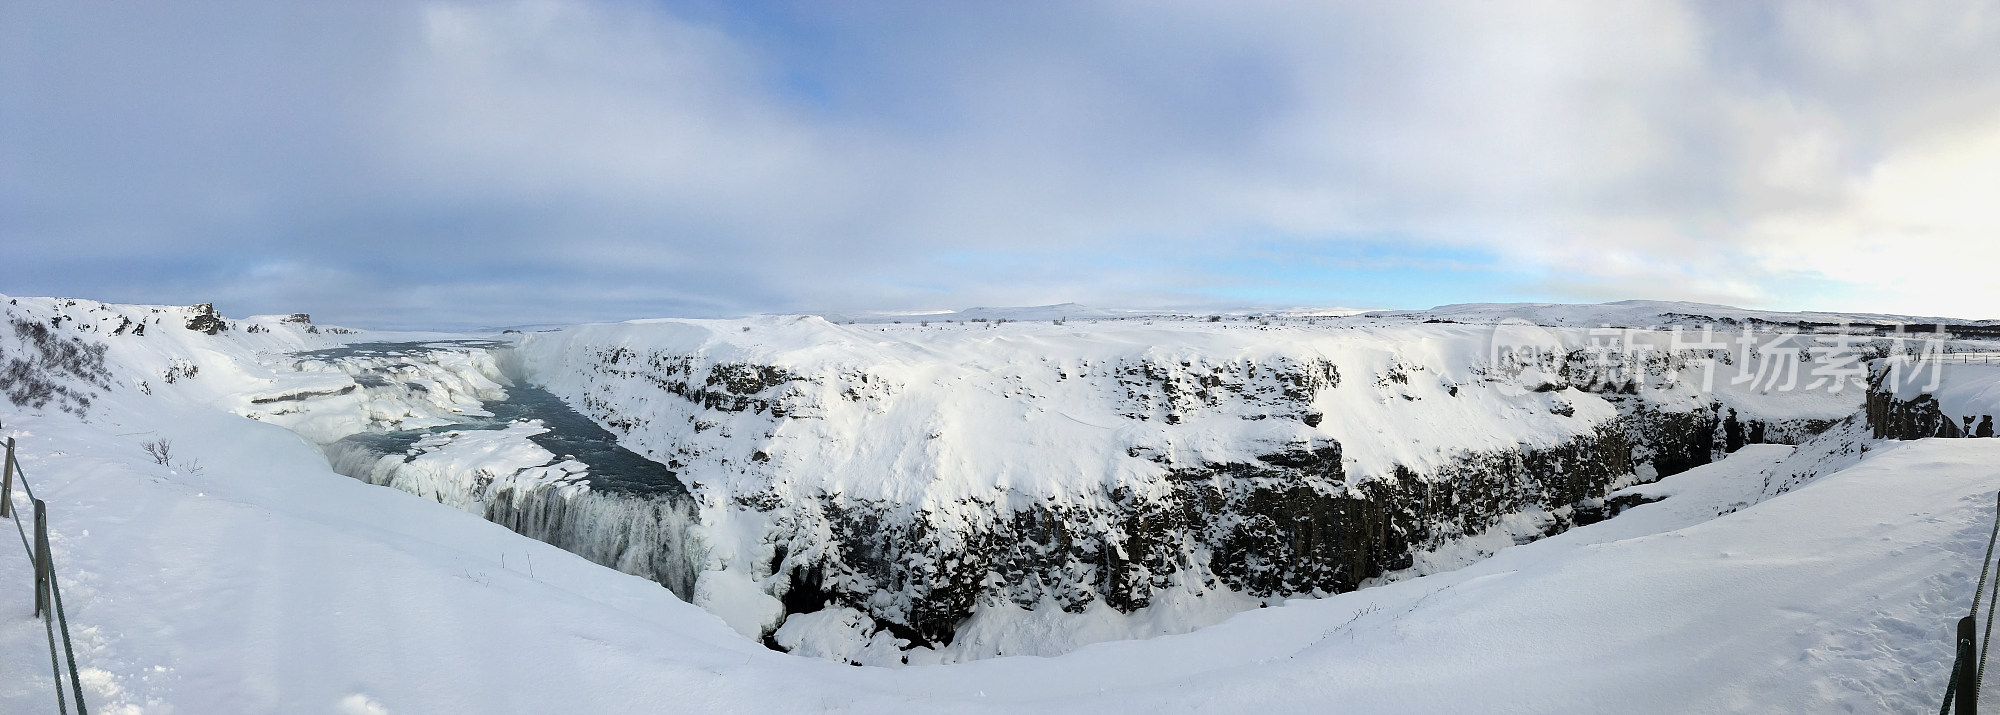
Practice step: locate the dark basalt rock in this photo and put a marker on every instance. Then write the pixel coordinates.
(1287, 523)
(1736, 432)
(1673, 442)
(1596, 510)
(724, 387)
(205, 320)
(1917, 418)
(734, 387)
(300, 395)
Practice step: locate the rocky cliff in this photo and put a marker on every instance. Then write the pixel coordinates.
(920, 474)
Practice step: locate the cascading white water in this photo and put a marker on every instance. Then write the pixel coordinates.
(655, 537)
(360, 461)
(640, 524)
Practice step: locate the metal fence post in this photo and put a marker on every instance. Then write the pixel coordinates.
(7, 487)
(1968, 678)
(41, 558)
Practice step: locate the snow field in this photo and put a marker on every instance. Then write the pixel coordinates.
(247, 577)
(269, 584)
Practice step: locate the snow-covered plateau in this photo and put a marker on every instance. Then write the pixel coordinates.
(1487, 508)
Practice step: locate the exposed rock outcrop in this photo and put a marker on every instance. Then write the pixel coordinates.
(1915, 410)
(206, 320)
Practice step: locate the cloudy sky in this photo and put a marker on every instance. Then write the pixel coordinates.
(488, 163)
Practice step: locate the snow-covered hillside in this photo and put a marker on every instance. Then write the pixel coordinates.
(1134, 476)
(1033, 487)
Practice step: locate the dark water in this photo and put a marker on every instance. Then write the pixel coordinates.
(573, 435)
(613, 468)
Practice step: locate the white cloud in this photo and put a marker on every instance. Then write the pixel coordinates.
(1920, 230)
(538, 155)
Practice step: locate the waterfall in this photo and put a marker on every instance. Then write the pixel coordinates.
(360, 461)
(656, 536)
(651, 536)
(515, 469)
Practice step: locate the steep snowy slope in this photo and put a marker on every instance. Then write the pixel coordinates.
(1140, 476)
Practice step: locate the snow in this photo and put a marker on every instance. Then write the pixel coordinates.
(1644, 313)
(959, 424)
(1070, 311)
(326, 399)
(444, 466)
(839, 634)
(739, 601)
(1060, 311)
(1964, 390)
(247, 576)
(1005, 629)
(1008, 400)
(1625, 313)
(269, 584)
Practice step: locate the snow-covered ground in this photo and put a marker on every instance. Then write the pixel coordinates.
(269, 584)
(246, 576)
(1643, 313)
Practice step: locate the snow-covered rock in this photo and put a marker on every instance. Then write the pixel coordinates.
(1942, 396)
(926, 475)
(267, 583)
(956, 491)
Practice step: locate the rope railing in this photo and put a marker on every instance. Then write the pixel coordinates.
(48, 593)
(1968, 667)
